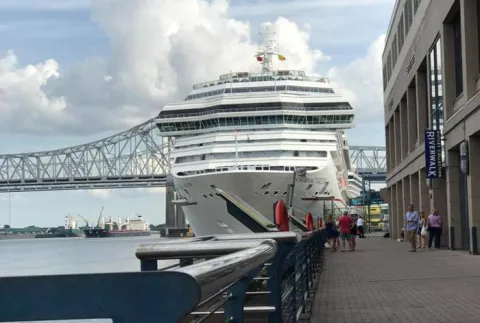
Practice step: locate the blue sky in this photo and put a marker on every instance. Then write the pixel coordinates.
(55, 56)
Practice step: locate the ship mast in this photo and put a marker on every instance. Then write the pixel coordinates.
(267, 49)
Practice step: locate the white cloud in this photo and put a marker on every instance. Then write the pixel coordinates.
(126, 193)
(158, 49)
(361, 82)
(98, 193)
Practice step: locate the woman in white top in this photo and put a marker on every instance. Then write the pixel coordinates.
(422, 231)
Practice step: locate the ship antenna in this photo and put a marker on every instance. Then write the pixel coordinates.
(267, 50)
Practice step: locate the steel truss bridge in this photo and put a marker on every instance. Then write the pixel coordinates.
(138, 157)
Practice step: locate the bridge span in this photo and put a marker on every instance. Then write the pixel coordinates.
(138, 157)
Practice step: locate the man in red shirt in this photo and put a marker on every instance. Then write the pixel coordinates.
(345, 224)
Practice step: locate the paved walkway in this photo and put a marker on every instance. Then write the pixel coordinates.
(383, 282)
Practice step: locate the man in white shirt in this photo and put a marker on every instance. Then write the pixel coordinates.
(411, 225)
(360, 227)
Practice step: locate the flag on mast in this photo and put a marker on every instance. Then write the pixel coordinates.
(281, 57)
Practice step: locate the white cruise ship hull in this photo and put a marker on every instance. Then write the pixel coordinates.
(209, 215)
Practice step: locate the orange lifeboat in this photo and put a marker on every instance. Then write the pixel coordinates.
(309, 221)
(281, 216)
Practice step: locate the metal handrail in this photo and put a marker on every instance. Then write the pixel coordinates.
(203, 249)
(276, 271)
(213, 274)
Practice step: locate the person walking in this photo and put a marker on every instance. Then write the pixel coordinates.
(345, 224)
(360, 223)
(411, 224)
(422, 231)
(435, 226)
(332, 233)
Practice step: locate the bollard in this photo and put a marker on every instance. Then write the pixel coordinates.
(452, 238)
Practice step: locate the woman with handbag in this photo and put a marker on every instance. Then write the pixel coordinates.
(435, 225)
(422, 231)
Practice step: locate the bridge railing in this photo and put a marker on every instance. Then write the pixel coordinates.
(232, 278)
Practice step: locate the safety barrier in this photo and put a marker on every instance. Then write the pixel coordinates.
(266, 277)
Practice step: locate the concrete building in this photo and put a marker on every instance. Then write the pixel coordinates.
(431, 72)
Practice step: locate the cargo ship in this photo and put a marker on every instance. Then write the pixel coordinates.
(8, 233)
(70, 230)
(4, 235)
(120, 228)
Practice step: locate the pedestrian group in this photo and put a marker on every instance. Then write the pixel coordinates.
(419, 227)
(346, 230)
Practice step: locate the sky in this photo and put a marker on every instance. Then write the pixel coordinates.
(73, 71)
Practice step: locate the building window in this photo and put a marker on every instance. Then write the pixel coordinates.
(457, 43)
(400, 33)
(394, 51)
(408, 15)
(416, 3)
(385, 80)
(436, 89)
(478, 29)
(389, 66)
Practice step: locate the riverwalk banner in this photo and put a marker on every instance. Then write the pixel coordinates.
(433, 154)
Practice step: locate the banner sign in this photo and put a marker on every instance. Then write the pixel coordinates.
(433, 154)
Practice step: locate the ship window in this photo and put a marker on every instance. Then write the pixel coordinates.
(284, 193)
(205, 196)
(266, 192)
(266, 185)
(275, 193)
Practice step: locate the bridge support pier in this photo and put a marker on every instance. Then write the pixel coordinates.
(174, 218)
(169, 207)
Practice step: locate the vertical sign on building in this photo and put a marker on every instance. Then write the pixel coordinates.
(433, 154)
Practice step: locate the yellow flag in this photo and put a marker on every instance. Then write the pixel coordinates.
(281, 57)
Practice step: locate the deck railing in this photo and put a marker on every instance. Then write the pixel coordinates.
(267, 277)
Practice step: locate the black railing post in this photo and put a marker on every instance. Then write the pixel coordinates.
(148, 264)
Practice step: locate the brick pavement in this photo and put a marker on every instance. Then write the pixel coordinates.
(383, 282)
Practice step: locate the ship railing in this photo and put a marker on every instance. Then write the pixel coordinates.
(235, 278)
(340, 108)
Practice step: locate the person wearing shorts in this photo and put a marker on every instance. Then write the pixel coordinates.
(332, 233)
(345, 225)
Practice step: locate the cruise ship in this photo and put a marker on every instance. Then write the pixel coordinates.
(249, 134)
(355, 186)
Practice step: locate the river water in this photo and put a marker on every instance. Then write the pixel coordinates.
(72, 255)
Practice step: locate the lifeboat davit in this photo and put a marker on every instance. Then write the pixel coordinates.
(281, 216)
(309, 221)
